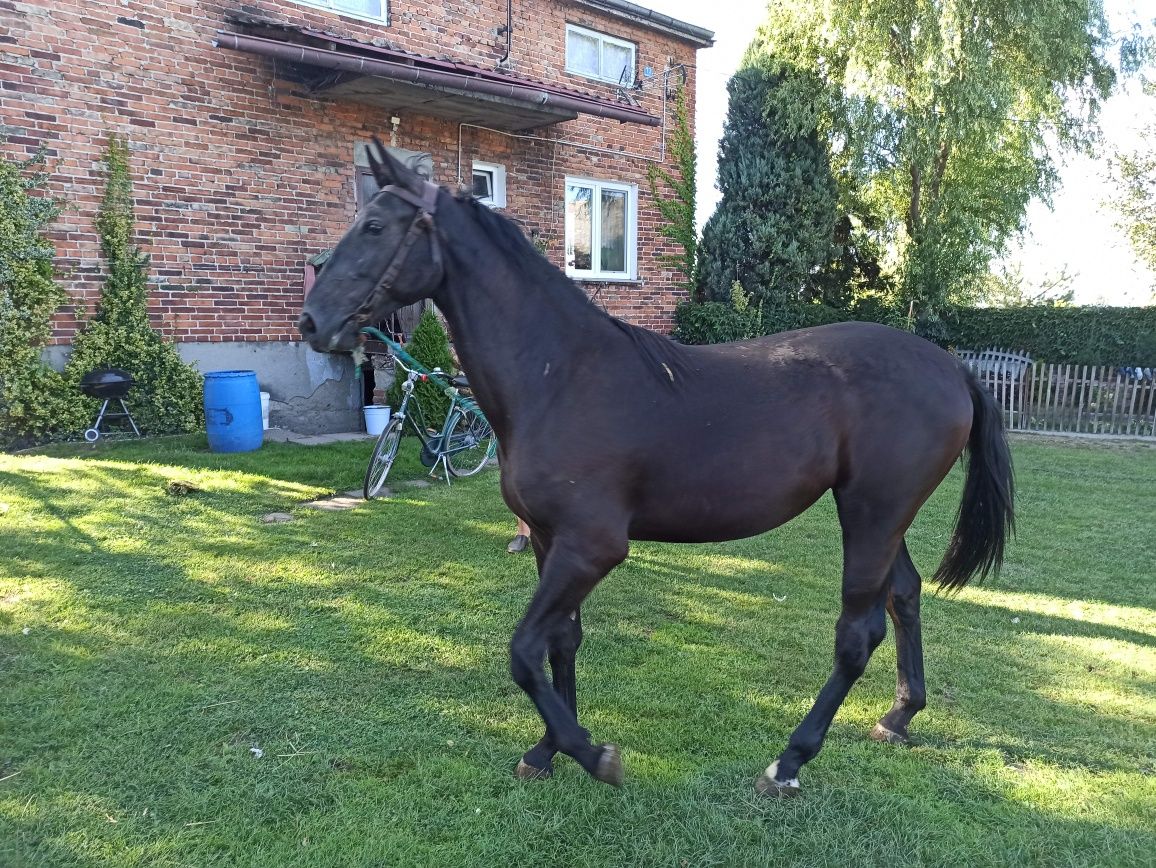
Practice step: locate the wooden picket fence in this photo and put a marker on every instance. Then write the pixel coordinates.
(1067, 399)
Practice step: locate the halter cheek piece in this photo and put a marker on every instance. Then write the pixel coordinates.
(427, 205)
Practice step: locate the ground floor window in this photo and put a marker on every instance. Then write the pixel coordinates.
(601, 229)
(489, 184)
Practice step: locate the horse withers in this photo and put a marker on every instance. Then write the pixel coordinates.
(609, 433)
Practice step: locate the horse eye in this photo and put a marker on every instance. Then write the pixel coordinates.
(375, 227)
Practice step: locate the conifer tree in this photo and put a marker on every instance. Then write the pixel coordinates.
(430, 345)
(774, 229)
(167, 396)
(678, 209)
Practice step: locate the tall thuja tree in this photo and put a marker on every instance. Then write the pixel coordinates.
(167, 395)
(773, 231)
(34, 399)
(678, 206)
(947, 116)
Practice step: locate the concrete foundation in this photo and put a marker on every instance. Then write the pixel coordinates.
(310, 393)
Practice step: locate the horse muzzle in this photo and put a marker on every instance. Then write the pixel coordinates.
(325, 337)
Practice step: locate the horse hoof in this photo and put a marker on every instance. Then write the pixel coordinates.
(527, 772)
(768, 784)
(610, 766)
(883, 734)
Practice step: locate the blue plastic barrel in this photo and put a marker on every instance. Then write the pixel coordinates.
(233, 411)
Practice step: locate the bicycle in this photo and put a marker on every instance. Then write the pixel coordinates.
(464, 443)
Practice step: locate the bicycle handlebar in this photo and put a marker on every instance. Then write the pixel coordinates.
(411, 365)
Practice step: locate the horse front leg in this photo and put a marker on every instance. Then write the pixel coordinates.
(562, 651)
(570, 570)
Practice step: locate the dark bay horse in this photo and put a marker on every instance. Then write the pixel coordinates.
(608, 433)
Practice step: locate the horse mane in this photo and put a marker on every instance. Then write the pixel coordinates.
(664, 357)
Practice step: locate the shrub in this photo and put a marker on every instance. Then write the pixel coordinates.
(715, 322)
(1062, 335)
(167, 395)
(430, 345)
(35, 401)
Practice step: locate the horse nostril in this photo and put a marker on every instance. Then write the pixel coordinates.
(306, 326)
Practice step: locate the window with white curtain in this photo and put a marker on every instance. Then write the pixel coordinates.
(597, 55)
(601, 229)
(370, 10)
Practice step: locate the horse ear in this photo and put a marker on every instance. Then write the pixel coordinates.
(388, 169)
(381, 163)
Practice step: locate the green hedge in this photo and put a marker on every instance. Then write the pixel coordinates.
(716, 322)
(1067, 335)
(1063, 335)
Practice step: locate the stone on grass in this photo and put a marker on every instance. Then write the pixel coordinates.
(338, 502)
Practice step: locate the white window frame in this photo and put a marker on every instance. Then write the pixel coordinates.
(595, 272)
(497, 173)
(327, 6)
(602, 39)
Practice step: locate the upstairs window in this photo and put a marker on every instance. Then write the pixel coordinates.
(601, 229)
(370, 10)
(596, 55)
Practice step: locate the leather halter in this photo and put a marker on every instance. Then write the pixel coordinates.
(426, 205)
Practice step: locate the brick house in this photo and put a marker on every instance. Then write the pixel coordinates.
(247, 123)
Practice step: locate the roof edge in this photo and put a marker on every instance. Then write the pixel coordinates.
(699, 36)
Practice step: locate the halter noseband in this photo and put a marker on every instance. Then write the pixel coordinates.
(427, 205)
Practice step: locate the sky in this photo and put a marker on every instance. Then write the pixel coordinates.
(1077, 235)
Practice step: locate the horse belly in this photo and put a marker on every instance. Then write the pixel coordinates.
(716, 513)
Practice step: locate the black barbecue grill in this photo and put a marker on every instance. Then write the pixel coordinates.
(108, 384)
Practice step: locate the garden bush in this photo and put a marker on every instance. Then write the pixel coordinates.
(715, 322)
(35, 401)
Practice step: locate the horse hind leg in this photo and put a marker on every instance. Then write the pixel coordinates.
(868, 552)
(910, 691)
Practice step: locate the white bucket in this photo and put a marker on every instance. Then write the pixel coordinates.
(264, 411)
(376, 418)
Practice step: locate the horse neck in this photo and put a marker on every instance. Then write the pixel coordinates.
(511, 325)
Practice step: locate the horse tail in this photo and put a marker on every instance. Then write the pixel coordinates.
(986, 513)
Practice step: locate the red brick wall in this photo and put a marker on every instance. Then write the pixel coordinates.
(239, 175)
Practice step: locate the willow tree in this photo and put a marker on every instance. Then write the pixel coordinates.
(1135, 176)
(947, 117)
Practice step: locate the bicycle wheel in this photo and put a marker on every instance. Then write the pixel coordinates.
(468, 442)
(382, 459)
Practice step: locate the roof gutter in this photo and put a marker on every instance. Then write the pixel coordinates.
(428, 77)
(700, 36)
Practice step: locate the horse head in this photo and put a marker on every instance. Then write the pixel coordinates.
(389, 257)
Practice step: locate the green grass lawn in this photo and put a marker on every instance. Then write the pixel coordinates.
(150, 643)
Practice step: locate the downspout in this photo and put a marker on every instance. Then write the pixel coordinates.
(505, 60)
